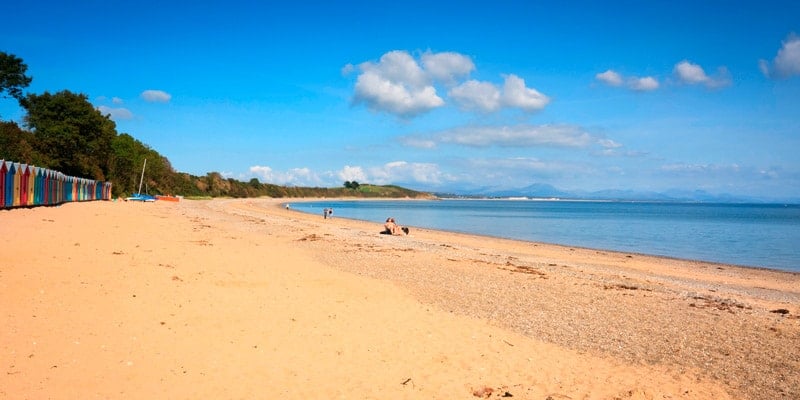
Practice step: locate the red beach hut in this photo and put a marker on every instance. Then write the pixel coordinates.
(24, 176)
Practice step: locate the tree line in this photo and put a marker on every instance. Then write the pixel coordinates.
(65, 132)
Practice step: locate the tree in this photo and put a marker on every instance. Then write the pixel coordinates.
(17, 145)
(351, 185)
(74, 136)
(12, 76)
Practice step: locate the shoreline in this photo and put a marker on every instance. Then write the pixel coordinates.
(623, 252)
(182, 300)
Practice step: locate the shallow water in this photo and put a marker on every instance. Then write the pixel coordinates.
(756, 235)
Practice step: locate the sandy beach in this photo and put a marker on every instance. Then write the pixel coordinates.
(245, 299)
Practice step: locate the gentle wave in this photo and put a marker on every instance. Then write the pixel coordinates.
(755, 235)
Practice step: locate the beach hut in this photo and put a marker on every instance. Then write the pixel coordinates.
(37, 192)
(17, 177)
(69, 188)
(24, 175)
(31, 185)
(9, 185)
(2, 183)
(60, 180)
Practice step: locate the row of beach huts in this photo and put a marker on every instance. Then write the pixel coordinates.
(23, 185)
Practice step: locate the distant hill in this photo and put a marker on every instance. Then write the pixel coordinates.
(545, 191)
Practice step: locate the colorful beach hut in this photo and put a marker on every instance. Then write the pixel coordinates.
(24, 175)
(2, 183)
(15, 170)
(37, 190)
(31, 185)
(10, 172)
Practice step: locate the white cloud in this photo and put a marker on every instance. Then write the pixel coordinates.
(348, 69)
(396, 84)
(641, 84)
(349, 173)
(292, 177)
(381, 94)
(515, 94)
(786, 63)
(473, 95)
(420, 143)
(686, 168)
(447, 66)
(608, 143)
(116, 100)
(610, 77)
(115, 113)
(402, 171)
(693, 74)
(400, 85)
(517, 136)
(477, 96)
(156, 96)
(645, 84)
(690, 73)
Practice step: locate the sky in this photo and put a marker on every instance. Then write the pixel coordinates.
(438, 96)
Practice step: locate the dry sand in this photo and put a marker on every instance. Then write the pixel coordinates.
(244, 299)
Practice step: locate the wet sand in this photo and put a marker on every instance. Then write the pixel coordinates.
(245, 299)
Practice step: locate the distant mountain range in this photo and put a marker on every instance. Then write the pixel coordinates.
(545, 191)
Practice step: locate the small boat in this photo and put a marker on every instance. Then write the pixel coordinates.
(168, 198)
(139, 196)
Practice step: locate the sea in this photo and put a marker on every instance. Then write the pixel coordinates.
(751, 235)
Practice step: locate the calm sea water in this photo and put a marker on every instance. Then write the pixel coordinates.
(755, 235)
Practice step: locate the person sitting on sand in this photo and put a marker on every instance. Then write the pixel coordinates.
(391, 228)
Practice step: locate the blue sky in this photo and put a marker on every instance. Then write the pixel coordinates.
(451, 96)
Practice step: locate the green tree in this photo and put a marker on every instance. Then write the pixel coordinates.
(18, 145)
(12, 76)
(74, 136)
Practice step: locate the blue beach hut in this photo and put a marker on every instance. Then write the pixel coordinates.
(16, 170)
(39, 185)
(9, 185)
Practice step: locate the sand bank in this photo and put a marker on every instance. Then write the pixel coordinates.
(244, 299)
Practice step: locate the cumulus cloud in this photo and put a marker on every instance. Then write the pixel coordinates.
(693, 74)
(116, 100)
(402, 171)
(156, 96)
(473, 95)
(396, 84)
(349, 173)
(486, 97)
(447, 66)
(645, 84)
(786, 63)
(639, 84)
(611, 78)
(515, 94)
(116, 113)
(291, 177)
(401, 85)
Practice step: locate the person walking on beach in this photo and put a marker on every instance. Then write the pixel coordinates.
(325, 213)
